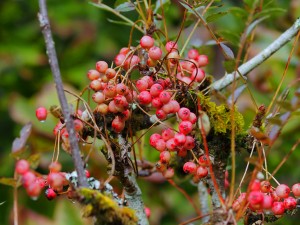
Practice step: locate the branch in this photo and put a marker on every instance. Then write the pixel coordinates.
(260, 58)
(46, 30)
(203, 199)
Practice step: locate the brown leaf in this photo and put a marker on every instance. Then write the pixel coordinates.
(19, 143)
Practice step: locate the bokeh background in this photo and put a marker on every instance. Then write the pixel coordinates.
(83, 35)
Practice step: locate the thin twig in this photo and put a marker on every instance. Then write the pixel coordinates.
(260, 58)
(51, 52)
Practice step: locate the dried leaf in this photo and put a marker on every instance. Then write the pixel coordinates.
(229, 65)
(227, 51)
(19, 143)
(260, 136)
(254, 24)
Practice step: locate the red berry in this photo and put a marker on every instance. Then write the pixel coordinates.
(149, 80)
(87, 173)
(160, 145)
(161, 114)
(175, 106)
(124, 50)
(185, 127)
(184, 113)
(203, 160)
(156, 103)
(50, 194)
(110, 73)
(101, 66)
(55, 167)
(147, 212)
(145, 97)
(55, 180)
(98, 97)
(296, 190)
(28, 178)
(198, 75)
(267, 202)
(146, 42)
(171, 45)
(110, 91)
(282, 191)
(41, 114)
(96, 85)
(201, 172)
(119, 59)
(179, 139)
(78, 125)
(165, 157)
(22, 166)
(164, 97)
(167, 134)
(121, 101)
(265, 186)
(141, 85)
(202, 60)
(122, 89)
(255, 199)
(153, 139)
(255, 185)
(102, 108)
(131, 62)
(156, 89)
(290, 203)
(170, 144)
(278, 208)
(155, 53)
(190, 167)
(189, 143)
(118, 124)
(169, 173)
(173, 57)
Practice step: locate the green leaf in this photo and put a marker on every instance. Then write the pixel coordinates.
(229, 36)
(67, 213)
(215, 16)
(229, 65)
(119, 2)
(125, 7)
(269, 12)
(254, 24)
(161, 3)
(238, 12)
(8, 181)
(118, 22)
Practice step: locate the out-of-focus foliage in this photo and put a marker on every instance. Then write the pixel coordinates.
(83, 35)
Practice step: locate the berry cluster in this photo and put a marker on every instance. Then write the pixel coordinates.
(264, 198)
(34, 183)
(199, 170)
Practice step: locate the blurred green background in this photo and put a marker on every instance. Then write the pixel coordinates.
(83, 36)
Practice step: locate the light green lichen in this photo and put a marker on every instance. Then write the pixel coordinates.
(104, 209)
(220, 116)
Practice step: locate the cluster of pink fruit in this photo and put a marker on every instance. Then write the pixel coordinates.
(34, 183)
(200, 169)
(263, 198)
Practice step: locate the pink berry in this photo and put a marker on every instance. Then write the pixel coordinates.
(126, 114)
(296, 190)
(189, 143)
(147, 212)
(55, 180)
(193, 53)
(184, 113)
(161, 114)
(121, 101)
(145, 97)
(28, 178)
(156, 89)
(110, 91)
(78, 125)
(185, 127)
(278, 208)
(41, 114)
(290, 203)
(192, 118)
(55, 167)
(255, 185)
(101, 66)
(124, 50)
(160, 145)
(255, 199)
(173, 57)
(110, 73)
(122, 89)
(201, 172)
(171, 45)
(190, 167)
(167, 134)
(198, 75)
(202, 60)
(165, 157)
(267, 202)
(119, 59)
(155, 53)
(22, 166)
(149, 80)
(146, 42)
(33, 189)
(141, 85)
(169, 173)
(179, 139)
(118, 124)
(93, 75)
(102, 108)
(170, 144)
(282, 191)
(98, 97)
(50, 194)
(156, 103)
(175, 106)
(164, 97)
(131, 62)
(154, 138)
(87, 173)
(96, 85)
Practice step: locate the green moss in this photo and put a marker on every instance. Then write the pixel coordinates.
(104, 209)
(220, 116)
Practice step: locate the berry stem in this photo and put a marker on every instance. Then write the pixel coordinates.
(51, 52)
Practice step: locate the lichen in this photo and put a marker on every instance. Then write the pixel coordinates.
(104, 209)
(220, 116)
